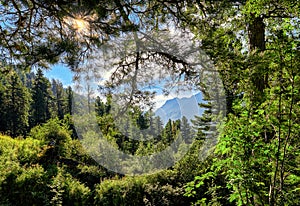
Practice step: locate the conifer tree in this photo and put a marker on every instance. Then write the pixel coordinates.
(187, 132)
(202, 124)
(41, 100)
(253, 46)
(99, 107)
(2, 103)
(16, 105)
(59, 98)
(69, 100)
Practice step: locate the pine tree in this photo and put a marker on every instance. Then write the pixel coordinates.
(259, 79)
(167, 134)
(16, 105)
(59, 98)
(99, 107)
(142, 121)
(186, 130)
(171, 131)
(2, 103)
(69, 100)
(41, 100)
(202, 124)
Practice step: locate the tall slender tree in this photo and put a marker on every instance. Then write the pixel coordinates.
(99, 107)
(59, 98)
(70, 97)
(2, 102)
(186, 130)
(41, 100)
(16, 105)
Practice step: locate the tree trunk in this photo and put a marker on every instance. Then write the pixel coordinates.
(256, 34)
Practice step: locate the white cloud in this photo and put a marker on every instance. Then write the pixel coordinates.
(161, 98)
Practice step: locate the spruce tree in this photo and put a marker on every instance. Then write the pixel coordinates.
(2, 103)
(69, 100)
(186, 130)
(16, 105)
(41, 100)
(99, 107)
(59, 98)
(202, 124)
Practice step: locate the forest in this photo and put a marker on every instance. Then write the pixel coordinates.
(87, 145)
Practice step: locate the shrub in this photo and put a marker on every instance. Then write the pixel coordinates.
(22, 180)
(126, 192)
(55, 134)
(66, 190)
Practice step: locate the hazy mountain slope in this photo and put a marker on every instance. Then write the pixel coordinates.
(176, 108)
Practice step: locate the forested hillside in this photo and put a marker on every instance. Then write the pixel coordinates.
(245, 154)
(43, 162)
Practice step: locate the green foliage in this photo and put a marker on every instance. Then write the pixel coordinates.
(25, 151)
(14, 104)
(163, 195)
(41, 100)
(257, 150)
(55, 134)
(22, 178)
(127, 191)
(61, 101)
(208, 186)
(191, 164)
(66, 190)
(157, 189)
(26, 179)
(254, 44)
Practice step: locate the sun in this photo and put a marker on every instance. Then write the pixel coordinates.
(80, 25)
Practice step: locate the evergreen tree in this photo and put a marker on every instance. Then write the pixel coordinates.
(202, 124)
(171, 130)
(16, 105)
(142, 121)
(99, 107)
(158, 128)
(60, 98)
(2, 103)
(41, 100)
(168, 135)
(251, 157)
(187, 132)
(69, 100)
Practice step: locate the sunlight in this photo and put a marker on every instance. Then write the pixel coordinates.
(80, 25)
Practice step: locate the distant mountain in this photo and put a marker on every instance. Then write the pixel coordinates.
(176, 108)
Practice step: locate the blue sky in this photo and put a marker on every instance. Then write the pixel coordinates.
(64, 74)
(60, 72)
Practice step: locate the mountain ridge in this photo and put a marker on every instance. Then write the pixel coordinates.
(176, 108)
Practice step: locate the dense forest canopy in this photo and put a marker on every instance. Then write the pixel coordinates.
(254, 45)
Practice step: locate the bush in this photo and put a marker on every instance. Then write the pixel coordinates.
(140, 190)
(22, 180)
(126, 192)
(66, 190)
(55, 134)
